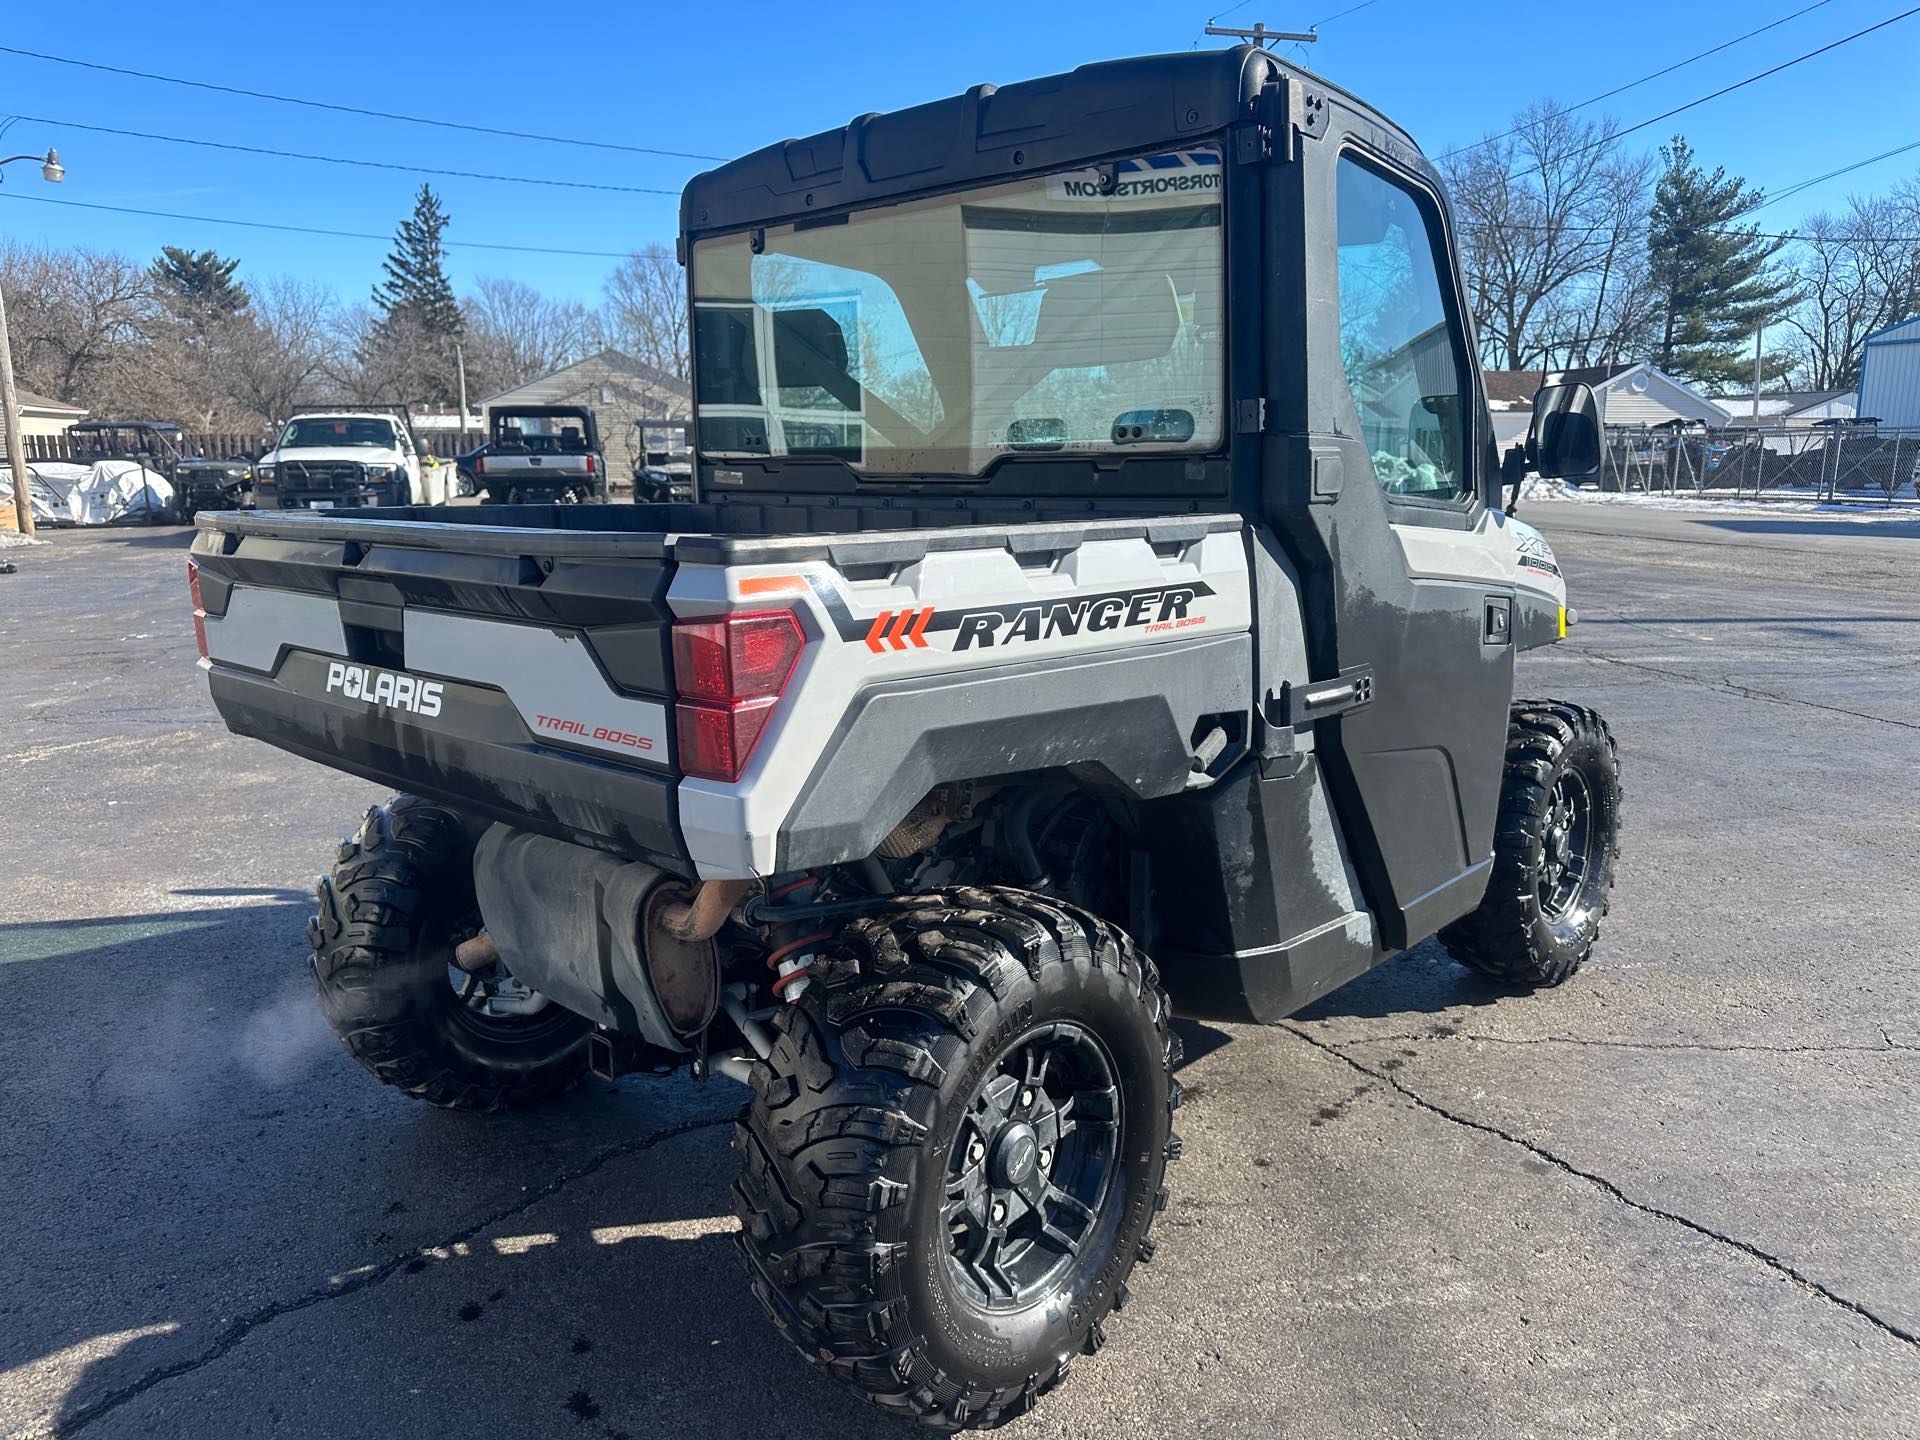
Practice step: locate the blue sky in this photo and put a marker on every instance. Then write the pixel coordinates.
(725, 79)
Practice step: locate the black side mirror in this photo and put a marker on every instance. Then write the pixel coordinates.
(810, 349)
(1563, 443)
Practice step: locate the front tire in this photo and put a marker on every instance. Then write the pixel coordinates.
(956, 1148)
(1554, 849)
(397, 900)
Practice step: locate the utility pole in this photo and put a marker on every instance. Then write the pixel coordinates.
(1758, 335)
(460, 363)
(16, 452)
(1260, 35)
(53, 172)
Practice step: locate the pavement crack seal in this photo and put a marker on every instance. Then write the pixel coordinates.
(1744, 692)
(239, 1329)
(1891, 1047)
(1772, 1262)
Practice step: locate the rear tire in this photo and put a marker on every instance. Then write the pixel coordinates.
(901, 1105)
(1554, 848)
(390, 913)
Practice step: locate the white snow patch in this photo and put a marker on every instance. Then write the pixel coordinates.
(1862, 512)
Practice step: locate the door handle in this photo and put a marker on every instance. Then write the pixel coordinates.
(1318, 700)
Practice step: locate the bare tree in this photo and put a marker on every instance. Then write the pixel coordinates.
(516, 334)
(1550, 219)
(289, 349)
(646, 310)
(75, 315)
(1860, 271)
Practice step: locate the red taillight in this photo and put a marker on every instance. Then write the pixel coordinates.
(590, 464)
(729, 672)
(480, 465)
(199, 610)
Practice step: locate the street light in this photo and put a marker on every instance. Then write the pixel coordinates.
(53, 172)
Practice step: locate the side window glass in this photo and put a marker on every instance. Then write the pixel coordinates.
(1398, 345)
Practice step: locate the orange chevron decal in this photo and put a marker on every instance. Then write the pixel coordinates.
(899, 630)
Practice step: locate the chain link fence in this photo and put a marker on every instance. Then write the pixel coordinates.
(1818, 462)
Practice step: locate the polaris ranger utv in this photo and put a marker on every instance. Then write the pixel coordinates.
(541, 455)
(1098, 552)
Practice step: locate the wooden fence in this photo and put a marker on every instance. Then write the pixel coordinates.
(444, 444)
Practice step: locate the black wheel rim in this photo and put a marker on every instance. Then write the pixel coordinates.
(1032, 1167)
(1567, 846)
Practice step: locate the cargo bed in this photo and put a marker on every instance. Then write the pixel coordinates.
(516, 662)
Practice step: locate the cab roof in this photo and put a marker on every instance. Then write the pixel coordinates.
(1111, 108)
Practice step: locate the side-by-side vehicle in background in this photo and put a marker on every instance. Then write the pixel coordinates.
(541, 455)
(1101, 552)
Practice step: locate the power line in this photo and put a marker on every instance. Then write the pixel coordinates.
(306, 229)
(344, 160)
(1793, 189)
(1350, 10)
(1729, 89)
(1632, 84)
(1796, 188)
(354, 109)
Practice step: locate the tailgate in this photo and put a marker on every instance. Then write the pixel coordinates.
(523, 674)
(538, 469)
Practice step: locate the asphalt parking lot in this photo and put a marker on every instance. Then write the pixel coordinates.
(1675, 1197)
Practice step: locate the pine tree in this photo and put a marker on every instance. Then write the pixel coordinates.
(416, 285)
(198, 285)
(420, 321)
(1715, 279)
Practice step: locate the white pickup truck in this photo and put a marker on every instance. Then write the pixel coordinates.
(329, 459)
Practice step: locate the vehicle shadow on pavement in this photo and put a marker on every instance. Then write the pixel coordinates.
(156, 537)
(1423, 981)
(223, 1227)
(219, 1225)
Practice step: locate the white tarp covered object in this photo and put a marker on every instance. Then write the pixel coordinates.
(107, 492)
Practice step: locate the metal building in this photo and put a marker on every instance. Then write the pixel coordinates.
(1890, 374)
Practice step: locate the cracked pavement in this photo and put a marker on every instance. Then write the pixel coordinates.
(1675, 1196)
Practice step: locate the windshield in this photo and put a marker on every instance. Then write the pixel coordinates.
(540, 434)
(932, 337)
(315, 431)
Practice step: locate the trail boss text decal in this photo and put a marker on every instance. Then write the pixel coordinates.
(1150, 610)
(384, 687)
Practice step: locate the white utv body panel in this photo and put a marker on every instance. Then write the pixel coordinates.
(986, 614)
(1499, 549)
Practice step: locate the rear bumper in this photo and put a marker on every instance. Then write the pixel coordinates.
(477, 756)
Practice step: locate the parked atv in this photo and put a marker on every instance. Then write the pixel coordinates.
(203, 484)
(1101, 554)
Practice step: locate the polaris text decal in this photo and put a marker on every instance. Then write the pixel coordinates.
(384, 687)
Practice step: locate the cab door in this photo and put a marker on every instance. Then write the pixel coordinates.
(1384, 492)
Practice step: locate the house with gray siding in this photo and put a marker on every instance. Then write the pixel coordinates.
(1890, 374)
(1634, 395)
